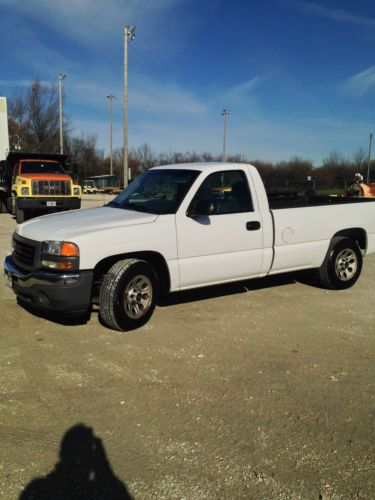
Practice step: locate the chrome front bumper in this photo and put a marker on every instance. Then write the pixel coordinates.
(66, 292)
(27, 280)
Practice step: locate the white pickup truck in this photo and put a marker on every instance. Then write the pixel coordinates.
(184, 226)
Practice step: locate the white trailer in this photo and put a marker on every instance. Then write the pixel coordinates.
(4, 135)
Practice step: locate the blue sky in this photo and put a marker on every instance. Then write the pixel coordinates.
(299, 77)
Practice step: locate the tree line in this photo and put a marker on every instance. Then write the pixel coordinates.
(33, 119)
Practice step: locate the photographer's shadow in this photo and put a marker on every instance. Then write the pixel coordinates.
(82, 473)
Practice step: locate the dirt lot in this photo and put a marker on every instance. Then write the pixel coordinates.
(258, 390)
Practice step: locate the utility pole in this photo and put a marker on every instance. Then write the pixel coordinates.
(369, 159)
(61, 78)
(110, 97)
(225, 113)
(129, 35)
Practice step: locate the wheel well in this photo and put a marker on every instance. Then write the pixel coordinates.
(357, 234)
(156, 260)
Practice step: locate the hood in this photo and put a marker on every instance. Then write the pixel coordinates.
(46, 177)
(70, 225)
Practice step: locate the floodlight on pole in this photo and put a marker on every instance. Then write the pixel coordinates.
(129, 35)
(110, 98)
(61, 78)
(369, 159)
(225, 113)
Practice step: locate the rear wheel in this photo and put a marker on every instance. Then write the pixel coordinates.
(128, 294)
(343, 264)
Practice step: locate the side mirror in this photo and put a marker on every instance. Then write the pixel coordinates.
(202, 207)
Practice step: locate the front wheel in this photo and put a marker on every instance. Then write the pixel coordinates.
(343, 264)
(3, 204)
(20, 216)
(127, 296)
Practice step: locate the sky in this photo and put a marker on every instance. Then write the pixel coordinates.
(298, 76)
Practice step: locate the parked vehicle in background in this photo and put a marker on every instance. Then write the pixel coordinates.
(35, 183)
(360, 188)
(89, 187)
(107, 183)
(180, 227)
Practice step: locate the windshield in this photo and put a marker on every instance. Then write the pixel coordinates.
(156, 191)
(40, 167)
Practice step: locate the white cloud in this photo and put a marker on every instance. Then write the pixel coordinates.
(239, 98)
(335, 14)
(164, 98)
(18, 83)
(91, 21)
(243, 90)
(360, 83)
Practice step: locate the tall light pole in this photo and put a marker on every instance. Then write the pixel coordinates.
(61, 78)
(369, 159)
(225, 113)
(110, 97)
(129, 34)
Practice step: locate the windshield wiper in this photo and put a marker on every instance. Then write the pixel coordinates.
(139, 208)
(131, 206)
(113, 204)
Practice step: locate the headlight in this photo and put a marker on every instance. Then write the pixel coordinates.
(76, 191)
(63, 248)
(25, 191)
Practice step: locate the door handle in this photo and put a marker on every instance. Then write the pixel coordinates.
(254, 225)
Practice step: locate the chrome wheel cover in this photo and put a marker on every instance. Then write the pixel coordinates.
(346, 264)
(138, 296)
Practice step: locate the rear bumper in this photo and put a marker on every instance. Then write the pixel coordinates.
(65, 292)
(49, 203)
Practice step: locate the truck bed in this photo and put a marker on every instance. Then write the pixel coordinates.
(278, 203)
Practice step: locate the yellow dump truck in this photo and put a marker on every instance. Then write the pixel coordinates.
(35, 183)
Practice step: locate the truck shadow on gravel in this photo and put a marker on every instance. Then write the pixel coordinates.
(83, 472)
(66, 319)
(197, 294)
(194, 295)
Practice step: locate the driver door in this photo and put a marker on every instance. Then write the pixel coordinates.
(225, 245)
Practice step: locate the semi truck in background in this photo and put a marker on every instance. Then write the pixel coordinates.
(33, 183)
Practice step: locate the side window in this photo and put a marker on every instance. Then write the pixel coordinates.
(229, 191)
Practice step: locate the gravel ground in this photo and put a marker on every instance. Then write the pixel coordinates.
(264, 389)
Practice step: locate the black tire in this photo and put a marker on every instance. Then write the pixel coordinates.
(20, 216)
(342, 265)
(3, 204)
(12, 205)
(128, 294)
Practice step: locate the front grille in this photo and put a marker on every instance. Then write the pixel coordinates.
(51, 188)
(23, 253)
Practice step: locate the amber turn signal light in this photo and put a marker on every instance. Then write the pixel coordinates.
(69, 250)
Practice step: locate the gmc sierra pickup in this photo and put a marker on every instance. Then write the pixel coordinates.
(184, 226)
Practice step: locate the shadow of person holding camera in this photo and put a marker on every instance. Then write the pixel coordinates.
(82, 473)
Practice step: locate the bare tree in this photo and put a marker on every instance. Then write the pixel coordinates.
(85, 156)
(358, 158)
(145, 156)
(34, 118)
